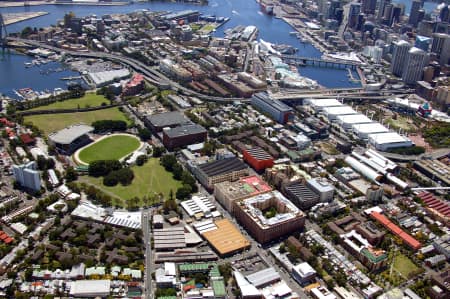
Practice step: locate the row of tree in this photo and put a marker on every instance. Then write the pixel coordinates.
(109, 125)
(170, 163)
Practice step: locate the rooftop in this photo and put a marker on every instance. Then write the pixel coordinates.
(184, 130)
(276, 104)
(226, 238)
(70, 134)
(168, 119)
(389, 137)
(222, 166)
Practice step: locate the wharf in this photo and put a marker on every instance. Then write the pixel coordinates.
(12, 18)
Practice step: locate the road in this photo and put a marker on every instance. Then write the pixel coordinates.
(148, 292)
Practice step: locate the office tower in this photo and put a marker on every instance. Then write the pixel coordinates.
(27, 175)
(422, 42)
(381, 8)
(445, 53)
(444, 14)
(399, 56)
(438, 42)
(353, 14)
(368, 6)
(414, 14)
(416, 61)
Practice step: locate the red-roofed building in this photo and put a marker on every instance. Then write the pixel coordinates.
(436, 206)
(258, 158)
(6, 122)
(410, 241)
(135, 86)
(27, 139)
(8, 240)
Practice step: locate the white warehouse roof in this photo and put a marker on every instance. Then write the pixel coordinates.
(319, 104)
(384, 141)
(90, 288)
(348, 120)
(333, 112)
(363, 130)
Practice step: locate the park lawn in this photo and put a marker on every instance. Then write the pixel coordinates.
(404, 265)
(88, 100)
(112, 147)
(149, 179)
(49, 123)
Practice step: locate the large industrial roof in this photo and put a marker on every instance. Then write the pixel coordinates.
(91, 288)
(324, 102)
(226, 238)
(185, 130)
(340, 110)
(70, 134)
(263, 277)
(389, 137)
(222, 166)
(369, 128)
(276, 104)
(168, 119)
(353, 119)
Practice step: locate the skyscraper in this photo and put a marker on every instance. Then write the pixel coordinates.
(438, 42)
(414, 14)
(368, 6)
(353, 14)
(444, 14)
(399, 56)
(445, 53)
(381, 7)
(416, 60)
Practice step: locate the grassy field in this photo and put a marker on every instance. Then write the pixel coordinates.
(113, 147)
(53, 122)
(404, 265)
(89, 100)
(149, 179)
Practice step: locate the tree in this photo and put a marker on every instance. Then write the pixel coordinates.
(177, 171)
(71, 174)
(141, 160)
(145, 134)
(168, 162)
(184, 192)
(158, 151)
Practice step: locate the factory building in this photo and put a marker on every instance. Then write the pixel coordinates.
(258, 158)
(333, 112)
(183, 135)
(364, 130)
(279, 111)
(156, 122)
(269, 216)
(219, 171)
(347, 121)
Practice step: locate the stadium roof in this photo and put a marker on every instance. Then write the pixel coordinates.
(168, 119)
(222, 166)
(70, 134)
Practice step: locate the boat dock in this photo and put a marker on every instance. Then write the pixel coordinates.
(12, 18)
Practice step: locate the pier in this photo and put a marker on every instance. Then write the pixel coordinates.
(12, 18)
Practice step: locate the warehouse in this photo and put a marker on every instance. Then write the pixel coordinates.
(364, 130)
(275, 108)
(435, 170)
(225, 238)
(219, 171)
(183, 135)
(198, 206)
(347, 121)
(332, 112)
(71, 138)
(386, 141)
(258, 158)
(90, 288)
(169, 238)
(319, 104)
(156, 122)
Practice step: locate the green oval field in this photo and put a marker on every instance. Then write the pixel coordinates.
(113, 147)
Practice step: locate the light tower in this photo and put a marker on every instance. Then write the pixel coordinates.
(3, 33)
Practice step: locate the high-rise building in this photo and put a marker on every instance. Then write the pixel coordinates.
(416, 60)
(438, 42)
(368, 6)
(27, 175)
(445, 53)
(399, 56)
(381, 8)
(414, 14)
(353, 14)
(422, 42)
(444, 14)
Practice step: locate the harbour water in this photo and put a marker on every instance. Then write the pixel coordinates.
(240, 12)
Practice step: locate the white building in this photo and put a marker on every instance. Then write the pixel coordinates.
(364, 130)
(399, 57)
(90, 288)
(322, 187)
(347, 121)
(303, 273)
(332, 112)
(27, 175)
(386, 141)
(319, 104)
(413, 69)
(198, 205)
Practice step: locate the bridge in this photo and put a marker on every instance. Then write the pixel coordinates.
(303, 61)
(151, 75)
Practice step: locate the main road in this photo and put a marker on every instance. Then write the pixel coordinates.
(148, 292)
